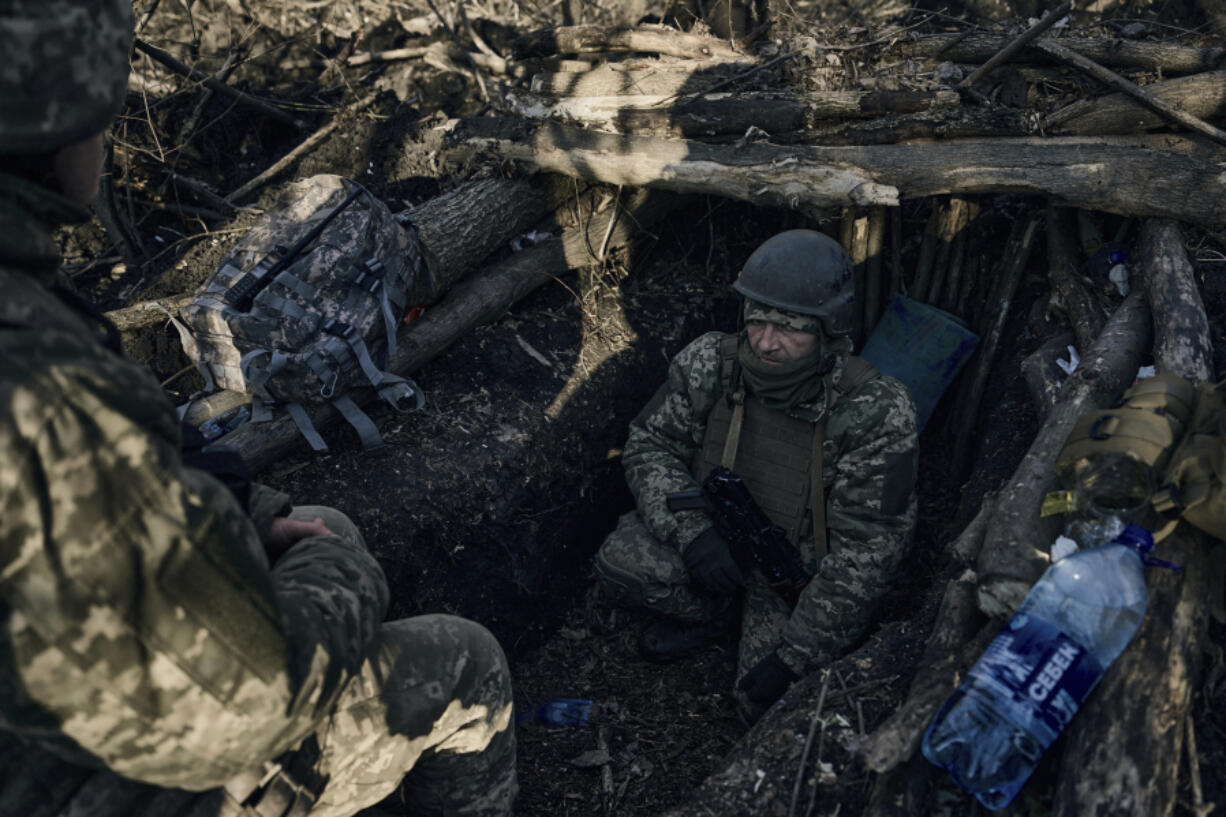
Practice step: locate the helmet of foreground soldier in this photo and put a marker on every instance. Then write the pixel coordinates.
(63, 73)
(802, 271)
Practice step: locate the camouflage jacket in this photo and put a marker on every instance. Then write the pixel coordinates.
(143, 627)
(868, 471)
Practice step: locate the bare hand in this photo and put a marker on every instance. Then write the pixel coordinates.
(286, 532)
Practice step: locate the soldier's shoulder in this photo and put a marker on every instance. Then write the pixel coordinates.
(882, 400)
(702, 352)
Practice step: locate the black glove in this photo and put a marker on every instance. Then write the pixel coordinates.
(767, 680)
(708, 560)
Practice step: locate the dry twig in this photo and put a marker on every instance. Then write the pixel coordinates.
(213, 84)
(1114, 80)
(297, 153)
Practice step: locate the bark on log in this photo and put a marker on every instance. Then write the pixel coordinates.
(1124, 748)
(1152, 56)
(1168, 178)
(648, 77)
(644, 39)
(1043, 376)
(1085, 315)
(459, 229)
(1202, 95)
(1015, 554)
(1114, 80)
(1182, 342)
(721, 113)
(481, 298)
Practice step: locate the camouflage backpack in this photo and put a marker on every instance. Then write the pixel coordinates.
(305, 307)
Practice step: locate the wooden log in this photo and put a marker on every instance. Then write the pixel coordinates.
(646, 39)
(646, 77)
(1016, 44)
(1201, 95)
(872, 268)
(922, 278)
(1079, 304)
(1124, 748)
(957, 622)
(948, 297)
(723, 113)
(1169, 58)
(972, 262)
(1013, 263)
(1043, 375)
(481, 298)
(953, 227)
(459, 228)
(854, 236)
(1015, 551)
(1182, 342)
(1172, 179)
(1114, 80)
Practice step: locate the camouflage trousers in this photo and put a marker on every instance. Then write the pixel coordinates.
(429, 717)
(638, 571)
(431, 708)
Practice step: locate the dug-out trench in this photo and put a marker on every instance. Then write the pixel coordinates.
(490, 502)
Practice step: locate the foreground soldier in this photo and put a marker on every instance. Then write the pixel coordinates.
(791, 372)
(144, 630)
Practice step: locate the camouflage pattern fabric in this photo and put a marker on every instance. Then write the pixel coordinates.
(754, 311)
(64, 73)
(281, 336)
(144, 628)
(868, 471)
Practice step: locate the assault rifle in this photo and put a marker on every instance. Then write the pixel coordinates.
(750, 532)
(241, 294)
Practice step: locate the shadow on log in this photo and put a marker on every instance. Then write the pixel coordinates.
(1015, 547)
(1169, 177)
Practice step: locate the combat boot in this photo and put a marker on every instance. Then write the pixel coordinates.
(666, 640)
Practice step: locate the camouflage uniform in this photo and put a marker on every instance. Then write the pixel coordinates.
(145, 631)
(868, 473)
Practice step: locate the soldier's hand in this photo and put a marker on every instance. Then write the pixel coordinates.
(767, 680)
(708, 560)
(286, 532)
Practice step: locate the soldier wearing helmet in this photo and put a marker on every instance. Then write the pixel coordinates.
(165, 619)
(782, 403)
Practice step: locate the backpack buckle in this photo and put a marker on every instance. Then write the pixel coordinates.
(338, 328)
(1168, 502)
(370, 275)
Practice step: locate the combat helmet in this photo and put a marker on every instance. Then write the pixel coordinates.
(802, 271)
(65, 71)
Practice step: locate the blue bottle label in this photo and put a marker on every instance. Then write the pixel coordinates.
(1039, 674)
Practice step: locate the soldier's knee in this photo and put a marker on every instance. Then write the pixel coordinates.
(617, 579)
(336, 521)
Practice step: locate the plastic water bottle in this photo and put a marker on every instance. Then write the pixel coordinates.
(1032, 678)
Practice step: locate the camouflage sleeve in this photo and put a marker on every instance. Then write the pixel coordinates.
(869, 467)
(264, 506)
(142, 624)
(664, 436)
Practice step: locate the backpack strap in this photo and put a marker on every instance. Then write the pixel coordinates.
(367, 433)
(192, 349)
(734, 392)
(305, 427)
(856, 372)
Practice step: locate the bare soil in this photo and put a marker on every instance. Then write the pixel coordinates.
(491, 501)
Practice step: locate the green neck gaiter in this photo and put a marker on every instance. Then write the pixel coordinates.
(782, 386)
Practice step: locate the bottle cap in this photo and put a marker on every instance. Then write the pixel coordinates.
(1142, 541)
